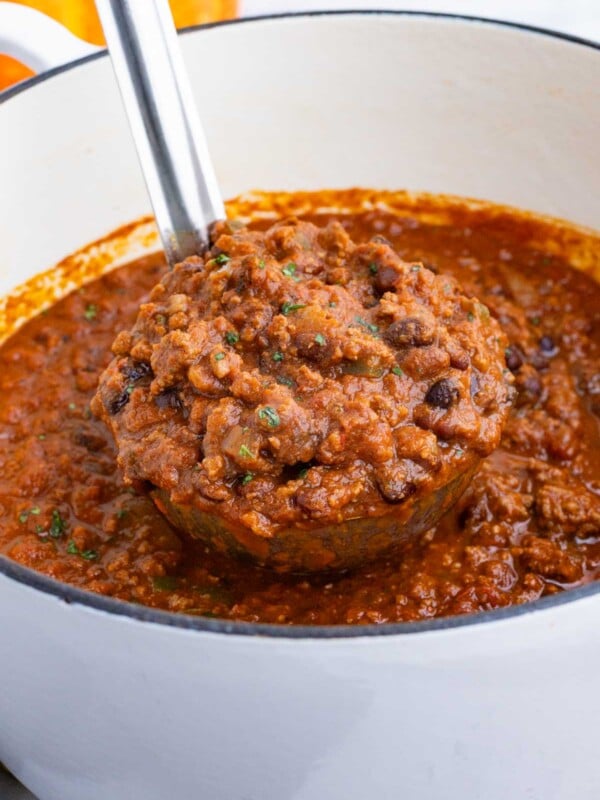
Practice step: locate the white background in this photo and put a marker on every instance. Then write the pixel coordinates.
(577, 17)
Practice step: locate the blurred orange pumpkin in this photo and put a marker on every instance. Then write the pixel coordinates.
(80, 16)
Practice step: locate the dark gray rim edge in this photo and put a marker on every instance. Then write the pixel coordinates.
(73, 595)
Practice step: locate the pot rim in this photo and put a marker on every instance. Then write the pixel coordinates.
(139, 613)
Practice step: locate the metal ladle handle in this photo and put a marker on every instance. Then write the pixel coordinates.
(166, 127)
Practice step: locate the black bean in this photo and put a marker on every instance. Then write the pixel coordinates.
(168, 399)
(547, 344)
(117, 403)
(409, 332)
(136, 370)
(442, 394)
(514, 357)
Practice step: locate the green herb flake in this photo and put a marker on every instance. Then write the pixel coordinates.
(368, 326)
(277, 356)
(23, 517)
(122, 512)
(129, 388)
(332, 304)
(161, 319)
(72, 406)
(72, 548)
(415, 268)
(270, 415)
(373, 268)
(320, 340)
(470, 316)
(459, 451)
(288, 308)
(285, 381)
(232, 337)
(57, 525)
(36, 511)
(219, 356)
(290, 269)
(303, 473)
(89, 555)
(41, 437)
(91, 312)
(261, 263)
(249, 476)
(221, 259)
(397, 371)
(245, 452)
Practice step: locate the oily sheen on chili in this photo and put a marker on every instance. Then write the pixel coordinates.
(528, 525)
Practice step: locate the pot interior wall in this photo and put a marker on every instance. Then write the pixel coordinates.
(381, 100)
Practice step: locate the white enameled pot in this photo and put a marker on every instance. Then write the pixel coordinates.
(102, 700)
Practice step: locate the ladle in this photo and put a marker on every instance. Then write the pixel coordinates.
(181, 181)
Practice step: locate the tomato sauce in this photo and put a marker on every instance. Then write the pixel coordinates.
(529, 524)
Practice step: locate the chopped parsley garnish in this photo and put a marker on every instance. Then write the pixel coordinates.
(249, 476)
(320, 340)
(287, 308)
(303, 473)
(35, 511)
(219, 356)
(122, 512)
(73, 550)
(290, 269)
(368, 326)
(91, 312)
(245, 452)
(161, 319)
(373, 268)
(458, 451)
(23, 516)
(332, 304)
(41, 437)
(277, 356)
(397, 371)
(285, 381)
(231, 337)
(261, 263)
(57, 525)
(415, 268)
(470, 316)
(221, 259)
(271, 416)
(129, 388)
(72, 406)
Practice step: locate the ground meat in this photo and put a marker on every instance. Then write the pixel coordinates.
(65, 512)
(294, 377)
